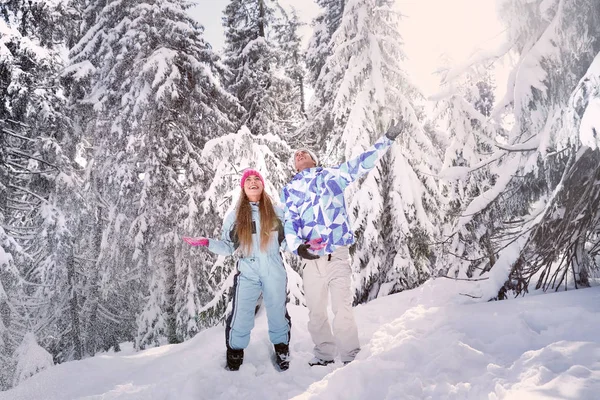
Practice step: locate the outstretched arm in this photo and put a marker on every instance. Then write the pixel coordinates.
(355, 168)
(224, 246)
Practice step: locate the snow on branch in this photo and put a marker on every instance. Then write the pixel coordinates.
(528, 145)
(31, 358)
(478, 58)
(79, 70)
(589, 129)
(482, 201)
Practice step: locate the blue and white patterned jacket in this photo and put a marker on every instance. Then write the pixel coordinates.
(315, 205)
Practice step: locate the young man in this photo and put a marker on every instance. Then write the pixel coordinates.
(318, 230)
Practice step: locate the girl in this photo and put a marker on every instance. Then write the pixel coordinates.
(255, 230)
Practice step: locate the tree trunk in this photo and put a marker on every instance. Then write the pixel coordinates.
(74, 307)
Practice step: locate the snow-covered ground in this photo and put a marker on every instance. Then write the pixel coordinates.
(427, 343)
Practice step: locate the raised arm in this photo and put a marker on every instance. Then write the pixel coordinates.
(355, 168)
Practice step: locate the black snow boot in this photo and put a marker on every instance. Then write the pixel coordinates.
(282, 356)
(235, 358)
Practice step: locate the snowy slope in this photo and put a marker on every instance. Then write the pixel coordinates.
(427, 343)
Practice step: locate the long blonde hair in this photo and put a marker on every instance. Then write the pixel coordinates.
(243, 221)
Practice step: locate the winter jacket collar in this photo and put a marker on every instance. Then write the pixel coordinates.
(306, 172)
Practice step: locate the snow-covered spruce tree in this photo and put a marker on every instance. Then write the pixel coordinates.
(289, 86)
(568, 158)
(31, 359)
(230, 155)
(361, 88)
(153, 84)
(253, 52)
(324, 25)
(9, 275)
(9, 295)
(41, 199)
(564, 243)
(294, 61)
(105, 319)
(556, 42)
(41, 192)
(77, 17)
(11, 254)
(315, 132)
(463, 109)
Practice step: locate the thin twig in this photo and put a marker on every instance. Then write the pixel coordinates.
(464, 279)
(470, 295)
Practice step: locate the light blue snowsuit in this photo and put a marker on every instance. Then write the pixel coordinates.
(259, 271)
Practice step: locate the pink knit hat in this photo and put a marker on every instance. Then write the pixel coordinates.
(249, 172)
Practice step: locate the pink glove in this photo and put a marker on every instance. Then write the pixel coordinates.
(199, 241)
(316, 244)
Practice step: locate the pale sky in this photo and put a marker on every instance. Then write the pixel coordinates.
(431, 28)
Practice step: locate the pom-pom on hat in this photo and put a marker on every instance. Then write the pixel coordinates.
(249, 172)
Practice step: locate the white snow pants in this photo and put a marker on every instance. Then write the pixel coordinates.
(321, 277)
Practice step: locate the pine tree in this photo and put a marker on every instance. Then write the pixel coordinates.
(101, 319)
(41, 184)
(464, 108)
(31, 359)
(267, 91)
(324, 26)
(361, 87)
(556, 43)
(154, 84)
(290, 91)
(570, 219)
(9, 293)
